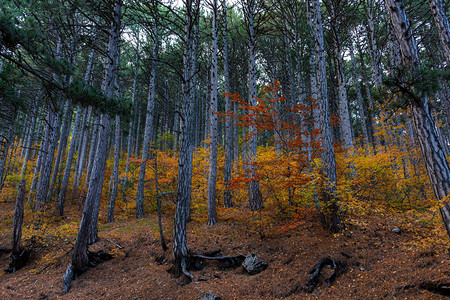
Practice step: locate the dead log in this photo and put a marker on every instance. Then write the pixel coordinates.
(338, 267)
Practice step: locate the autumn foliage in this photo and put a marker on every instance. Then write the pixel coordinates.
(389, 180)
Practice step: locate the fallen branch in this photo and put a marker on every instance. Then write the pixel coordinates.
(117, 245)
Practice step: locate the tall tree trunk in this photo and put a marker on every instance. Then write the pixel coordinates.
(362, 115)
(373, 48)
(443, 27)
(30, 140)
(8, 141)
(18, 218)
(44, 175)
(80, 260)
(253, 187)
(432, 150)
(371, 112)
(212, 174)
(93, 148)
(328, 194)
(132, 120)
(66, 122)
(229, 140)
(180, 247)
(20, 199)
(84, 127)
(81, 158)
(150, 114)
(65, 181)
(115, 173)
(345, 125)
(40, 158)
(313, 66)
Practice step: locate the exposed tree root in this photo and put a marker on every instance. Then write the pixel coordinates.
(95, 258)
(196, 262)
(18, 260)
(5, 250)
(339, 267)
(225, 262)
(184, 270)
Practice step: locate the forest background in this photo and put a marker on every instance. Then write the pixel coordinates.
(197, 112)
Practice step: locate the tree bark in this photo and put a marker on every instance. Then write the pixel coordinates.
(332, 218)
(212, 174)
(46, 168)
(133, 119)
(180, 247)
(253, 187)
(362, 115)
(66, 122)
(150, 114)
(6, 147)
(115, 174)
(344, 114)
(373, 48)
(65, 181)
(442, 25)
(81, 158)
(229, 140)
(432, 151)
(79, 263)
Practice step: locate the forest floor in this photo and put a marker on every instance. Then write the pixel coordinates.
(380, 263)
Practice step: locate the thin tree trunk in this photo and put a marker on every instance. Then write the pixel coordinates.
(362, 115)
(132, 120)
(345, 125)
(41, 154)
(18, 217)
(30, 141)
(66, 122)
(313, 67)
(228, 109)
(65, 181)
(253, 187)
(150, 114)
(115, 174)
(212, 174)
(370, 115)
(138, 130)
(373, 48)
(93, 148)
(6, 146)
(46, 168)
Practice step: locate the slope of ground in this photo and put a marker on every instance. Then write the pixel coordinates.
(381, 263)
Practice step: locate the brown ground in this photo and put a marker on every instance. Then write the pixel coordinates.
(380, 263)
